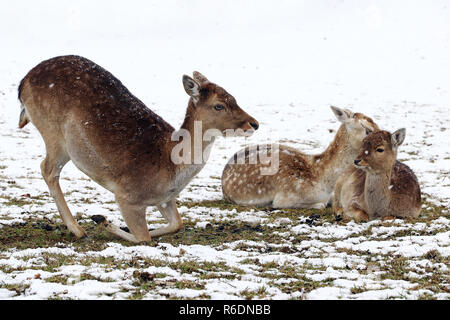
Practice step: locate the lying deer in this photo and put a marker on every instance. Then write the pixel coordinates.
(378, 186)
(302, 180)
(86, 115)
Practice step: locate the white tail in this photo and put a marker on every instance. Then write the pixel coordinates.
(301, 181)
(86, 115)
(378, 186)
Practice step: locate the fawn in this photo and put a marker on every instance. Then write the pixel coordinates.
(87, 115)
(377, 186)
(302, 180)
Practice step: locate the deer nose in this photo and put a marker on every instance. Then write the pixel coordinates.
(255, 125)
(357, 161)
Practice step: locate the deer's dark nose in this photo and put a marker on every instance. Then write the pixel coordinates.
(357, 161)
(254, 125)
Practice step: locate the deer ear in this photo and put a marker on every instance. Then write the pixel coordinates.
(398, 137)
(191, 87)
(342, 114)
(199, 77)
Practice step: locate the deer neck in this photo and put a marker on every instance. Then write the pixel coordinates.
(332, 162)
(377, 193)
(190, 142)
(188, 152)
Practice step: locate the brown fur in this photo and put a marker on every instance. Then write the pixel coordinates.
(86, 115)
(380, 186)
(302, 180)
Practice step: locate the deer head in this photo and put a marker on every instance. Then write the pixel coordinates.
(358, 125)
(379, 150)
(215, 107)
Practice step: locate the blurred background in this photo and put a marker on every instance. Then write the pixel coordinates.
(263, 52)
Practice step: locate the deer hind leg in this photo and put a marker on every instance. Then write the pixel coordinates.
(318, 205)
(284, 200)
(170, 213)
(51, 168)
(134, 217)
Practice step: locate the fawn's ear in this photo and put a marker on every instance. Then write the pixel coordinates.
(342, 114)
(199, 77)
(191, 87)
(398, 137)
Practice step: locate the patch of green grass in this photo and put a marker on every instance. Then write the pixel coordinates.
(260, 293)
(141, 290)
(299, 281)
(293, 214)
(32, 235)
(145, 282)
(431, 212)
(435, 256)
(19, 289)
(87, 200)
(62, 279)
(269, 265)
(301, 284)
(219, 204)
(190, 266)
(43, 233)
(87, 276)
(186, 284)
(356, 290)
(395, 269)
(18, 202)
(217, 235)
(24, 200)
(233, 275)
(426, 296)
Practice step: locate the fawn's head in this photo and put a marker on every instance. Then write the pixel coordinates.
(216, 108)
(379, 150)
(358, 125)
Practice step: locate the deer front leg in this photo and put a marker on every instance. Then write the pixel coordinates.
(338, 210)
(170, 213)
(336, 198)
(134, 217)
(356, 213)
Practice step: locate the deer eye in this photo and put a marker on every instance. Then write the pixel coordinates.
(380, 150)
(219, 107)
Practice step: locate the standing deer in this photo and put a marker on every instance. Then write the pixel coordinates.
(378, 186)
(86, 115)
(302, 180)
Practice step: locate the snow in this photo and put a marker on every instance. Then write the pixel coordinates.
(285, 62)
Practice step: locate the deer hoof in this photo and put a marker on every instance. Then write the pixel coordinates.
(98, 219)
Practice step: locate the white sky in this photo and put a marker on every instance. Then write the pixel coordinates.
(285, 50)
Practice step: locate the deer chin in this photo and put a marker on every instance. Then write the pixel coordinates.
(362, 167)
(239, 132)
(248, 133)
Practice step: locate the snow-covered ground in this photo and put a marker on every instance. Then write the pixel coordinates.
(285, 62)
